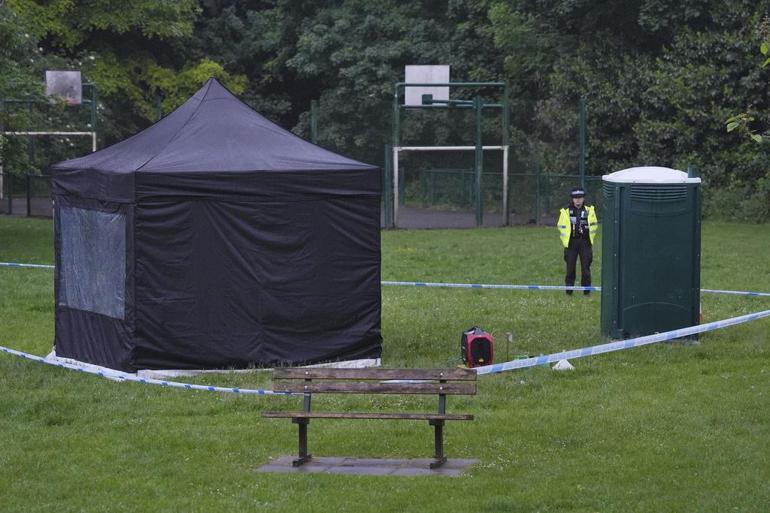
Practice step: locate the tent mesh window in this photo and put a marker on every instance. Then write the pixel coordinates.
(93, 261)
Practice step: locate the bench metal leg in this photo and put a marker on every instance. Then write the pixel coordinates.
(439, 441)
(304, 457)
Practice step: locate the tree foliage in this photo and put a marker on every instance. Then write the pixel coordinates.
(659, 77)
(70, 24)
(21, 66)
(133, 51)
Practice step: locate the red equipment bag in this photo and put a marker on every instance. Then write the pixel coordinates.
(476, 347)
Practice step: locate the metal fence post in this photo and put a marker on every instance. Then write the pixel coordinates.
(28, 179)
(506, 144)
(31, 146)
(537, 194)
(158, 110)
(94, 112)
(2, 143)
(394, 171)
(506, 122)
(10, 194)
(479, 162)
(582, 135)
(396, 115)
(388, 187)
(314, 121)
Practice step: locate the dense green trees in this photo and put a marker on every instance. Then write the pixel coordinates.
(133, 51)
(660, 77)
(21, 65)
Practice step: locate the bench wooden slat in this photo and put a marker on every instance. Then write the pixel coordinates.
(368, 387)
(456, 374)
(364, 415)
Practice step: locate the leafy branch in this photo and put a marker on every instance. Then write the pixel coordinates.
(742, 121)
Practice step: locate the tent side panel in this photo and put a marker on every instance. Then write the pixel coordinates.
(94, 281)
(106, 186)
(262, 282)
(93, 338)
(258, 185)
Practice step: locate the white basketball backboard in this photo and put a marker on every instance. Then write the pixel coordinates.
(66, 85)
(422, 74)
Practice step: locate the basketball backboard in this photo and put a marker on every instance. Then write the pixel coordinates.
(66, 85)
(426, 74)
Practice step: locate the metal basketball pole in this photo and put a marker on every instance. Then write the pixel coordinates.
(478, 162)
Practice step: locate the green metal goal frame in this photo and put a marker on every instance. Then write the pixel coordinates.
(29, 103)
(393, 151)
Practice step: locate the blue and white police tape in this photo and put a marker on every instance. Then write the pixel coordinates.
(471, 285)
(487, 369)
(14, 264)
(484, 286)
(121, 376)
(541, 287)
(736, 292)
(619, 345)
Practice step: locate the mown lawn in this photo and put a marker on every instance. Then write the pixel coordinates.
(667, 428)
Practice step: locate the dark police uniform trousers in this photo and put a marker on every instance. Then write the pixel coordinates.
(578, 247)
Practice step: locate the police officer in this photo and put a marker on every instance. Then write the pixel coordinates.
(577, 229)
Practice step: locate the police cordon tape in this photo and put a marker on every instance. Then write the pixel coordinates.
(736, 292)
(14, 264)
(487, 369)
(471, 285)
(619, 345)
(542, 287)
(117, 376)
(484, 286)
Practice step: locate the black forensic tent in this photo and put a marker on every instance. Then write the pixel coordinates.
(216, 239)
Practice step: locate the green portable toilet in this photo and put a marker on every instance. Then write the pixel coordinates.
(650, 252)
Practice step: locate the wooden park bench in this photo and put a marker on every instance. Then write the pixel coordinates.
(309, 381)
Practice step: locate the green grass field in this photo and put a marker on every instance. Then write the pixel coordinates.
(666, 428)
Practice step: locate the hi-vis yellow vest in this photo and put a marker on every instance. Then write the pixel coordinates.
(565, 229)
